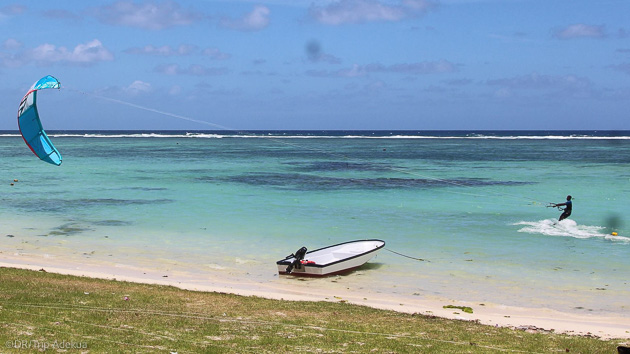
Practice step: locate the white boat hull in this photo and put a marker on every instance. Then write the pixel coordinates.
(336, 259)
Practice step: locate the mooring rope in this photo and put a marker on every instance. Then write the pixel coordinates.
(404, 255)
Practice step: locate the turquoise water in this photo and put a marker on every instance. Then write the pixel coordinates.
(472, 205)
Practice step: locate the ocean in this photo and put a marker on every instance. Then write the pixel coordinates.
(472, 205)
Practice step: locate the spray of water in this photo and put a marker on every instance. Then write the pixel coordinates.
(567, 228)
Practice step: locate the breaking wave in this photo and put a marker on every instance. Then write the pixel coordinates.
(341, 134)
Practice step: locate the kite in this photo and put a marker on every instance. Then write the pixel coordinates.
(30, 126)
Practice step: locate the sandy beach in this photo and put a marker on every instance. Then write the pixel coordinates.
(292, 289)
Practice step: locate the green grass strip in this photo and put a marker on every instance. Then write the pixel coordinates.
(43, 311)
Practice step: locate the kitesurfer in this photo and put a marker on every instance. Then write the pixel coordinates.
(568, 206)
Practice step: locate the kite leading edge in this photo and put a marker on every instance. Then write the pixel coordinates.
(30, 126)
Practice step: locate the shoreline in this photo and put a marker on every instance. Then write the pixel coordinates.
(531, 319)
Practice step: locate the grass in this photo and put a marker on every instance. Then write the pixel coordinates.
(39, 310)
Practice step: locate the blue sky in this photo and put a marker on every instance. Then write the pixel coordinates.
(340, 64)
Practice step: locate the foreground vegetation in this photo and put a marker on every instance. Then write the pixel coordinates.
(44, 311)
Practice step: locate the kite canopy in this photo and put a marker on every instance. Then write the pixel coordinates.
(31, 127)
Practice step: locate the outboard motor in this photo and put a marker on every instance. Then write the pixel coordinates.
(297, 263)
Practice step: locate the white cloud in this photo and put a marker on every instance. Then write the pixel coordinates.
(568, 86)
(355, 71)
(195, 70)
(580, 30)
(175, 90)
(47, 54)
(425, 67)
(165, 50)
(168, 69)
(148, 15)
(11, 44)
(11, 10)
(419, 68)
(360, 11)
(181, 50)
(88, 53)
(255, 20)
(138, 87)
(541, 82)
(216, 54)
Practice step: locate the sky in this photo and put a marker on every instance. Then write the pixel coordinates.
(327, 64)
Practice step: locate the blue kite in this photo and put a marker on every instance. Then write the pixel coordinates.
(30, 126)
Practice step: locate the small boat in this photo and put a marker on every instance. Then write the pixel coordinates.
(331, 260)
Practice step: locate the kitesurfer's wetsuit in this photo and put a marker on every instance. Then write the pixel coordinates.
(567, 210)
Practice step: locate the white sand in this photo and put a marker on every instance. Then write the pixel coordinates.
(490, 314)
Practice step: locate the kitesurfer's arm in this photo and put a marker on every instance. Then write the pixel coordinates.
(568, 202)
